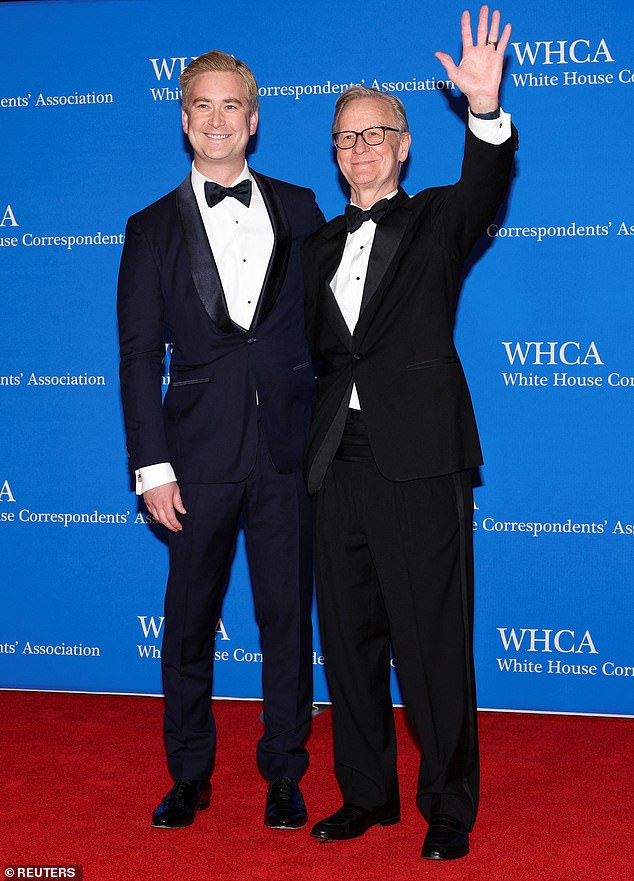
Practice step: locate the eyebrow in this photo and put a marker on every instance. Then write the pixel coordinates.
(222, 100)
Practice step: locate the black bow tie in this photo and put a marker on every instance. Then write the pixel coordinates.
(214, 193)
(356, 216)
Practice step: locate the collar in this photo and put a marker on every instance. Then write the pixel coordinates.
(389, 196)
(198, 180)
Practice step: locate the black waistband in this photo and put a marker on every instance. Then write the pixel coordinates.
(355, 445)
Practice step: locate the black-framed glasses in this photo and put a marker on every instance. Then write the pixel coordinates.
(373, 136)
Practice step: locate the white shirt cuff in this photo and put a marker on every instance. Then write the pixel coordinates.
(152, 476)
(493, 131)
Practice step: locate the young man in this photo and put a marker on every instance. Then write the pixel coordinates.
(213, 267)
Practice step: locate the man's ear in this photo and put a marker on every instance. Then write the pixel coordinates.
(403, 148)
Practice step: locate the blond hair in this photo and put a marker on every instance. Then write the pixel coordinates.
(218, 62)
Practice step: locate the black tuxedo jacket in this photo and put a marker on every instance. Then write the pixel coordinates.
(170, 290)
(401, 356)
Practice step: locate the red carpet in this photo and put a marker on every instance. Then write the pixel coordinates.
(82, 773)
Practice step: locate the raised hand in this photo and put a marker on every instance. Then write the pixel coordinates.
(479, 73)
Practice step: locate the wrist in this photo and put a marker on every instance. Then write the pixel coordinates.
(484, 104)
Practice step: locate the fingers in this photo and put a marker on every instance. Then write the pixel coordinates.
(500, 43)
(447, 62)
(495, 27)
(504, 39)
(465, 27)
(484, 35)
(163, 502)
(483, 25)
(166, 515)
(178, 502)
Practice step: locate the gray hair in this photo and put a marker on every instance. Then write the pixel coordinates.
(395, 104)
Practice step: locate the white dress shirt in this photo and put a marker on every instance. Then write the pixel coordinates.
(349, 280)
(241, 241)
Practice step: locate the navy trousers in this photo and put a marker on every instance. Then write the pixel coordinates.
(274, 511)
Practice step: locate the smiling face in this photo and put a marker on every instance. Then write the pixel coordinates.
(372, 172)
(219, 125)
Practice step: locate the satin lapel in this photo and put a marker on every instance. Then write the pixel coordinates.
(387, 238)
(203, 266)
(330, 258)
(276, 270)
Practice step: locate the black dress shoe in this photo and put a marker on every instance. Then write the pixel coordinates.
(446, 839)
(285, 808)
(351, 821)
(179, 806)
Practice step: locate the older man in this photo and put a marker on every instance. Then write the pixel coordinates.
(214, 267)
(392, 442)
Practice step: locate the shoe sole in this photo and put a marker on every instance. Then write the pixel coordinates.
(445, 857)
(389, 821)
(201, 806)
(285, 825)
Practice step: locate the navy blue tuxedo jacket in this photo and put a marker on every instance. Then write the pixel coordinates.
(170, 291)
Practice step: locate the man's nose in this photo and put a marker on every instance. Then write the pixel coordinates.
(360, 145)
(215, 118)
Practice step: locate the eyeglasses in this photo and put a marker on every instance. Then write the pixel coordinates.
(372, 136)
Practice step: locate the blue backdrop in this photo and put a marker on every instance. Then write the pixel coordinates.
(89, 107)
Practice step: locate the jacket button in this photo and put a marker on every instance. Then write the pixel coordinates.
(251, 339)
(357, 356)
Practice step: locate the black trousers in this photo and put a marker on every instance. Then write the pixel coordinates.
(394, 563)
(274, 511)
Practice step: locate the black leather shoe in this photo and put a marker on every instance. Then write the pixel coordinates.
(446, 839)
(285, 808)
(179, 806)
(351, 821)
